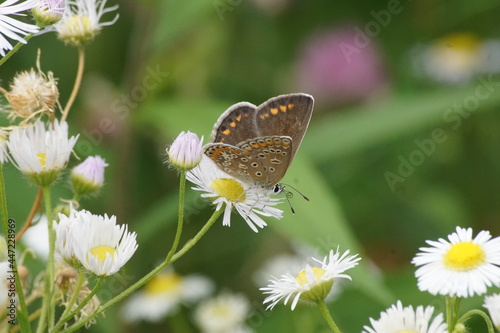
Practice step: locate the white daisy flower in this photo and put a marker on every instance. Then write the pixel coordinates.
(65, 237)
(462, 266)
(185, 151)
(311, 284)
(456, 58)
(99, 244)
(221, 188)
(81, 21)
(41, 153)
(398, 319)
(11, 28)
(164, 294)
(492, 303)
(88, 176)
(225, 313)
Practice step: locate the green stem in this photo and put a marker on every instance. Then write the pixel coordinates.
(15, 49)
(78, 81)
(23, 315)
(328, 317)
(452, 310)
(189, 244)
(47, 315)
(81, 305)
(74, 297)
(487, 319)
(180, 214)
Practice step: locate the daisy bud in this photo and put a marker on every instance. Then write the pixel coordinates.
(31, 93)
(185, 151)
(88, 176)
(48, 12)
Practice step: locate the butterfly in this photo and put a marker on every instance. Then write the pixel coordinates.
(257, 144)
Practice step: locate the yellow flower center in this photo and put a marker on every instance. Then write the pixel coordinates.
(42, 158)
(163, 283)
(77, 30)
(229, 189)
(221, 311)
(462, 42)
(101, 251)
(464, 256)
(302, 277)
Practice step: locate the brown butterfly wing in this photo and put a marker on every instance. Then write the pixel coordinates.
(236, 124)
(285, 115)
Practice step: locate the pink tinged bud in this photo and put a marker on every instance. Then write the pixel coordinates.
(185, 151)
(88, 176)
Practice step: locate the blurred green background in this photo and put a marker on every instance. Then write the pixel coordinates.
(388, 162)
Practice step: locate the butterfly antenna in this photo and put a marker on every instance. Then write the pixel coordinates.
(290, 194)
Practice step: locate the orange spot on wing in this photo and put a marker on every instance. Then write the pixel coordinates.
(227, 131)
(274, 111)
(283, 108)
(290, 106)
(232, 124)
(264, 116)
(238, 118)
(262, 144)
(254, 145)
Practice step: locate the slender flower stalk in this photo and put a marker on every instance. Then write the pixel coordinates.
(461, 322)
(328, 316)
(78, 82)
(180, 215)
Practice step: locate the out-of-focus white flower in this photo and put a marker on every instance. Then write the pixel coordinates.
(456, 58)
(225, 313)
(164, 294)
